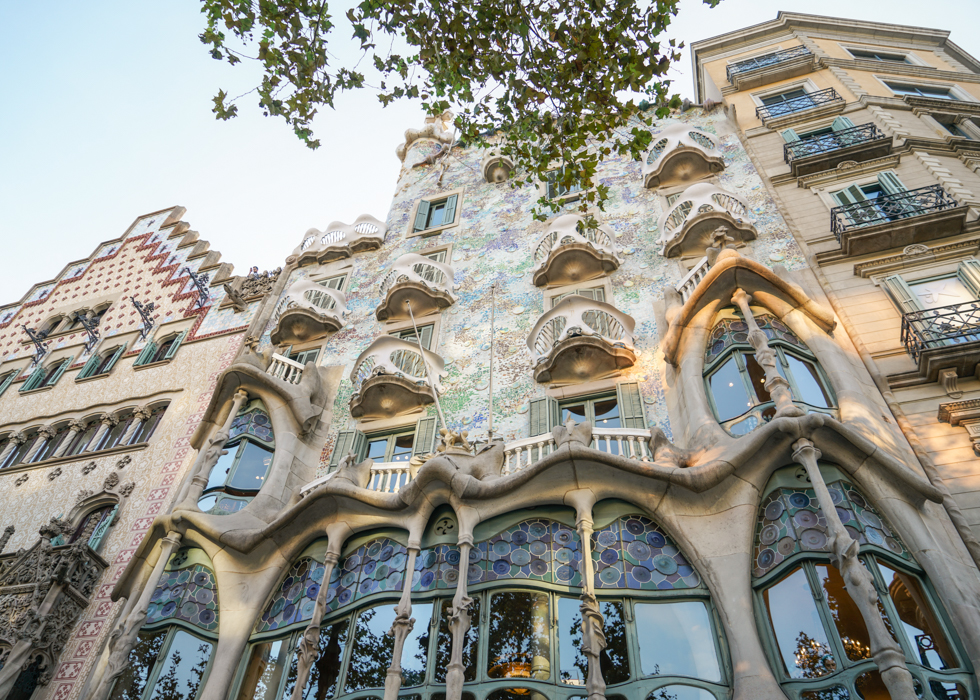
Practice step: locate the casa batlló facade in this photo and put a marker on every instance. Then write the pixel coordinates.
(460, 453)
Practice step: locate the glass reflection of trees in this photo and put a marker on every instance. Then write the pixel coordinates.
(168, 664)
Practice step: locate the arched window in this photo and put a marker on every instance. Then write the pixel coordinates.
(160, 350)
(101, 363)
(27, 680)
(819, 641)
(82, 439)
(239, 474)
(47, 450)
(735, 381)
(526, 628)
(173, 652)
(17, 455)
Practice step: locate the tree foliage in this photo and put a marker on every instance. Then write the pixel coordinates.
(558, 78)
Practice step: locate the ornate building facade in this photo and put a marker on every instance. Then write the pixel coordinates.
(463, 454)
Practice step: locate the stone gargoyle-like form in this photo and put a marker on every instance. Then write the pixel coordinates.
(307, 311)
(436, 128)
(391, 377)
(681, 153)
(340, 241)
(687, 227)
(581, 340)
(496, 167)
(570, 252)
(357, 473)
(423, 282)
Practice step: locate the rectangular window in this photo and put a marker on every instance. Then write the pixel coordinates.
(594, 293)
(438, 256)
(787, 102)
(395, 447)
(874, 55)
(408, 335)
(938, 92)
(436, 213)
(602, 411)
(304, 356)
(671, 198)
(558, 190)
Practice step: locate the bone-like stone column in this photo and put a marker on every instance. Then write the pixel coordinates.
(400, 628)
(74, 428)
(459, 622)
(776, 385)
(122, 639)
(309, 644)
(593, 634)
(16, 440)
(885, 651)
(208, 457)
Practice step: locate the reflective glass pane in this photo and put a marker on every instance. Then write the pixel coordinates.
(444, 647)
(680, 692)
(808, 382)
(519, 644)
(870, 686)
(948, 690)
(834, 692)
(132, 682)
(326, 667)
(676, 639)
(402, 451)
(263, 675)
(607, 414)
(579, 412)
(757, 377)
(219, 472)
(436, 212)
(183, 669)
(573, 664)
(372, 647)
(253, 464)
(377, 449)
(918, 619)
(728, 391)
(415, 653)
(850, 625)
(799, 633)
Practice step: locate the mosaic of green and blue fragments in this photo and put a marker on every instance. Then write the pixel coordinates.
(791, 521)
(187, 592)
(633, 552)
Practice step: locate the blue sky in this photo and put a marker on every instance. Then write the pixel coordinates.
(107, 116)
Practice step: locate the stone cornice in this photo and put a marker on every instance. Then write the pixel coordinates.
(905, 69)
(958, 411)
(849, 172)
(914, 256)
(925, 105)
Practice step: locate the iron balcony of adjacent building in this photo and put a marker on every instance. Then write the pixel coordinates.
(391, 377)
(821, 98)
(570, 252)
(307, 311)
(947, 337)
(771, 68)
(423, 283)
(896, 220)
(827, 151)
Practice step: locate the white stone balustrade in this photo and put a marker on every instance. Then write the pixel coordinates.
(570, 252)
(412, 267)
(341, 240)
(691, 280)
(400, 358)
(577, 316)
(702, 208)
(681, 153)
(285, 369)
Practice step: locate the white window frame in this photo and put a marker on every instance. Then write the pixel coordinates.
(910, 58)
(825, 193)
(457, 219)
(954, 88)
(807, 85)
(755, 54)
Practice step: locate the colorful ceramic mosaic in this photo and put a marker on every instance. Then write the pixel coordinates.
(633, 552)
(792, 521)
(187, 594)
(296, 597)
(735, 331)
(253, 422)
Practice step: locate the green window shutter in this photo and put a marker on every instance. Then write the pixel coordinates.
(890, 183)
(99, 533)
(630, 405)
(789, 136)
(426, 336)
(149, 350)
(841, 123)
(552, 184)
(32, 381)
(61, 370)
(449, 213)
(422, 216)
(7, 381)
(348, 441)
(115, 357)
(307, 356)
(968, 271)
(544, 414)
(850, 195)
(89, 367)
(425, 435)
(902, 294)
(173, 348)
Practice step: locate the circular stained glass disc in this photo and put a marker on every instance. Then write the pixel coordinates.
(397, 562)
(642, 574)
(450, 576)
(609, 576)
(609, 556)
(871, 519)
(766, 558)
(634, 527)
(520, 557)
(476, 555)
(201, 579)
(278, 606)
(563, 555)
(539, 567)
(844, 515)
(206, 616)
(501, 567)
(769, 534)
(352, 562)
(367, 585)
(607, 538)
(501, 548)
(894, 545)
(786, 546)
(382, 571)
(427, 579)
(537, 530)
(538, 548)
(295, 591)
(664, 564)
(799, 500)
(313, 591)
(386, 553)
(836, 496)
(428, 560)
(639, 550)
(563, 537)
(349, 579)
(188, 609)
(473, 573)
(374, 550)
(564, 573)
(307, 610)
(394, 581)
(345, 596)
(656, 540)
(857, 499)
(874, 536)
(518, 537)
(806, 518)
(813, 539)
(369, 567)
(452, 556)
(774, 510)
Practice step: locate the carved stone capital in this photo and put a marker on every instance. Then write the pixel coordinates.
(17, 437)
(142, 413)
(108, 419)
(47, 431)
(76, 426)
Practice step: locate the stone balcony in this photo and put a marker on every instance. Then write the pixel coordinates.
(307, 311)
(581, 340)
(944, 338)
(570, 253)
(771, 68)
(417, 280)
(681, 153)
(688, 227)
(390, 378)
(340, 241)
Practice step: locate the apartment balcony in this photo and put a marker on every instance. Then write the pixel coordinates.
(815, 104)
(859, 143)
(681, 154)
(285, 369)
(307, 311)
(581, 340)
(771, 68)
(390, 378)
(570, 253)
(418, 281)
(896, 220)
(692, 279)
(340, 240)
(947, 337)
(689, 226)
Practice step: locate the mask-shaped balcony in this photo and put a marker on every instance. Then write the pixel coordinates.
(570, 253)
(307, 311)
(390, 379)
(341, 240)
(681, 154)
(422, 281)
(581, 340)
(688, 227)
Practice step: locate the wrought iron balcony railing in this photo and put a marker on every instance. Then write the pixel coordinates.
(798, 104)
(769, 59)
(889, 207)
(945, 326)
(827, 143)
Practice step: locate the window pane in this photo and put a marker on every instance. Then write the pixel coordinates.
(676, 639)
(183, 669)
(85, 438)
(402, 451)
(607, 414)
(326, 667)
(519, 645)
(377, 449)
(808, 382)
(578, 412)
(444, 647)
(850, 625)
(941, 292)
(132, 682)
(917, 619)
(219, 472)
(252, 467)
(145, 431)
(117, 432)
(263, 675)
(757, 378)
(680, 692)
(371, 654)
(728, 391)
(614, 659)
(799, 633)
(415, 653)
(436, 211)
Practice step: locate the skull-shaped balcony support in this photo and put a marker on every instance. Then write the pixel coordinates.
(425, 283)
(570, 253)
(681, 153)
(307, 311)
(688, 227)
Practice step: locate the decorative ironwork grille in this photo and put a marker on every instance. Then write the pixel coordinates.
(770, 59)
(827, 143)
(811, 99)
(889, 207)
(944, 326)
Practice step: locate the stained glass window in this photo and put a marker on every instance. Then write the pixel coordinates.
(633, 552)
(187, 591)
(295, 597)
